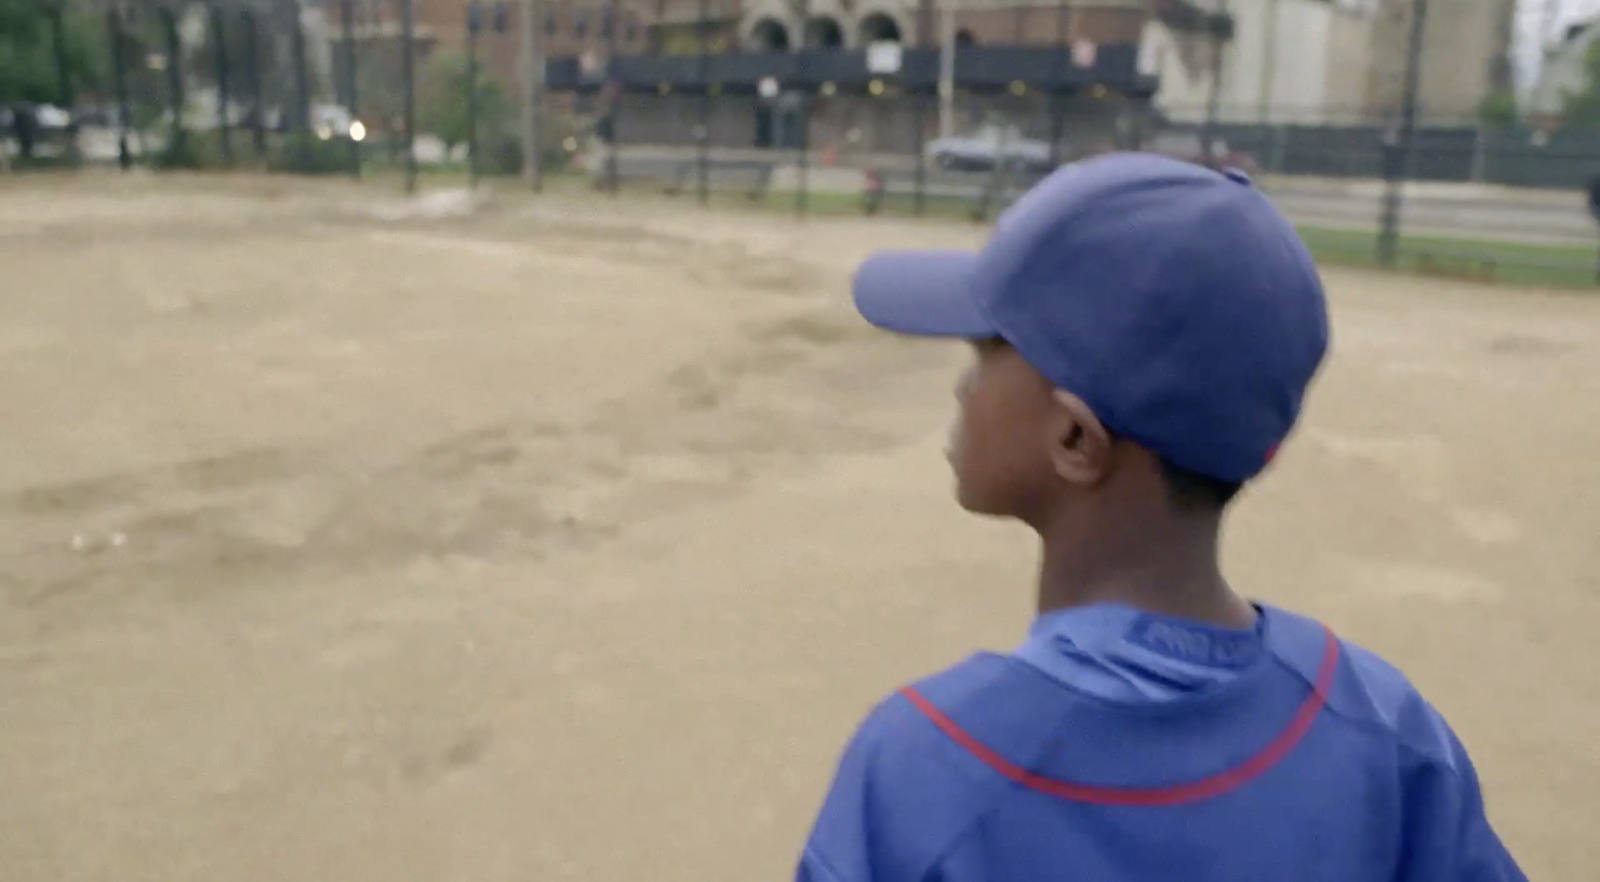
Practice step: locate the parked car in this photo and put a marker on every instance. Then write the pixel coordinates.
(987, 147)
(1190, 147)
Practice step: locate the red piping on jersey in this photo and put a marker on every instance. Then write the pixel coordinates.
(1196, 791)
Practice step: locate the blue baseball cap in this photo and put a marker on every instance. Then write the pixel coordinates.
(1176, 301)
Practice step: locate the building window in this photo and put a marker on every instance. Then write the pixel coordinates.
(550, 26)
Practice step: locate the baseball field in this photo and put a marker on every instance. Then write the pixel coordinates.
(348, 538)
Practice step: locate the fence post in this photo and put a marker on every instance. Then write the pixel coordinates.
(1480, 150)
(1398, 156)
(302, 91)
(219, 35)
(175, 98)
(58, 44)
(533, 72)
(703, 127)
(252, 65)
(947, 70)
(1060, 65)
(803, 76)
(610, 94)
(920, 179)
(1214, 96)
(474, 25)
(1277, 155)
(119, 80)
(347, 20)
(408, 83)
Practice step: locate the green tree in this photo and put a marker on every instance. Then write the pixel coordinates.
(27, 52)
(1582, 108)
(1499, 110)
(445, 99)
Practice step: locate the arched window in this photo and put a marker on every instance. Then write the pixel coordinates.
(878, 27)
(824, 32)
(769, 35)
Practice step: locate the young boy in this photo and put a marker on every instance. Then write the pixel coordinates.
(1145, 331)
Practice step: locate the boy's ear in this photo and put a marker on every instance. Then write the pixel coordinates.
(1080, 447)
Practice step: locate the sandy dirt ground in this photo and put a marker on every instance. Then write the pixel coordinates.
(346, 539)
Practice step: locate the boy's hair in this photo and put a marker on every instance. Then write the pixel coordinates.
(1193, 492)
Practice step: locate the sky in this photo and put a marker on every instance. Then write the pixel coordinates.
(1531, 16)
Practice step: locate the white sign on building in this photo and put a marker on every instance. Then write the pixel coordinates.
(883, 57)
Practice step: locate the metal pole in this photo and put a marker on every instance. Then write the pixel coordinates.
(408, 47)
(920, 184)
(302, 92)
(347, 19)
(219, 35)
(703, 127)
(533, 85)
(119, 78)
(474, 24)
(175, 96)
(612, 95)
(947, 70)
(1269, 62)
(1061, 64)
(58, 41)
(803, 75)
(1398, 156)
(1214, 98)
(258, 120)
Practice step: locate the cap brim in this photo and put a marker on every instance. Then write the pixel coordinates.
(922, 293)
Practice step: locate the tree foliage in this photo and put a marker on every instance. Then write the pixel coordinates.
(1582, 108)
(28, 70)
(445, 100)
(1499, 109)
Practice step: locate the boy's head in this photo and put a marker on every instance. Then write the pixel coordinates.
(1145, 331)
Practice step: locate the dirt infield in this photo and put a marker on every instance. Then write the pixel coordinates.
(568, 540)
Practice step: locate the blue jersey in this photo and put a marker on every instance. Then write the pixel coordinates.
(1118, 746)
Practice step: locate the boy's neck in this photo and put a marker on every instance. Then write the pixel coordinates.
(1170, 569)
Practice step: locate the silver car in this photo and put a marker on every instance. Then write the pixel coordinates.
(990, 145)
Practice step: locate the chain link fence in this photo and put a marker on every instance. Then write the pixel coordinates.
(1493, 202)
(329, 89)
(337, 89)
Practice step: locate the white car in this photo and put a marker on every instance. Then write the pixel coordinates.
(987, 147)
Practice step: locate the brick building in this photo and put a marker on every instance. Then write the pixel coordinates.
(588, 28)
(590, 31)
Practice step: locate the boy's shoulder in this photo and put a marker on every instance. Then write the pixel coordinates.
(1366, 693)
(985, 684)
(1004, 692)
(1374, 693)
(904, 789)
(934, 760)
